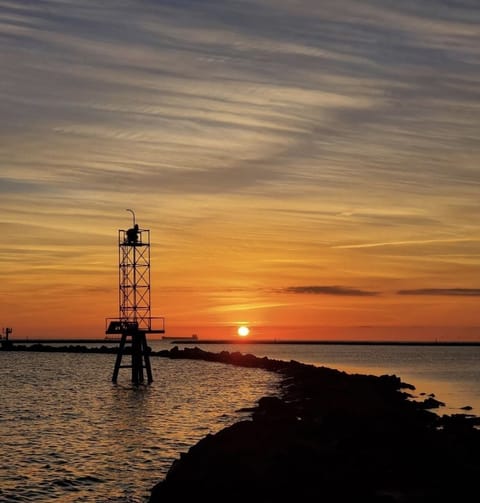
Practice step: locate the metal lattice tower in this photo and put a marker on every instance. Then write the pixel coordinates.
(134, 320)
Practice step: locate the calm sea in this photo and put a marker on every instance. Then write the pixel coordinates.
(69, 435)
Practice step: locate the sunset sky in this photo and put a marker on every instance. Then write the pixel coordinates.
(310, 169)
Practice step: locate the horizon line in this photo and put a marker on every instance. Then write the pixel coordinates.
(258, 341)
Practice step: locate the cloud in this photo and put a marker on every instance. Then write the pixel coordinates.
(329, 290)
(406, 243)
(351, 124)
(454, 292)
(12, 186)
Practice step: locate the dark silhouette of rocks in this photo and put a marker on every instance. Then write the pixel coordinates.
(71, 348)
(329, 436)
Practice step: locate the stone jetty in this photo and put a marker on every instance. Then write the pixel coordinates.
(329, 436)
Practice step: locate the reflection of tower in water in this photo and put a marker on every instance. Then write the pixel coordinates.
(134, 321)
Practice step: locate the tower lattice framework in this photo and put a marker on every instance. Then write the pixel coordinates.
(134, 280)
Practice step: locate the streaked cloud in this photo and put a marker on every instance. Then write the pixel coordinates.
(454, 292)
(329, 290)
(407, 243)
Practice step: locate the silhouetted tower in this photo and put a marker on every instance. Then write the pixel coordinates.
(6, 332)
(134, 320)
(5, 342)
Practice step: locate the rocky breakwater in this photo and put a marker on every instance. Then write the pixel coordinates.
(329, 436)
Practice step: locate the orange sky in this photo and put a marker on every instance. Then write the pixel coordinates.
(312, 177)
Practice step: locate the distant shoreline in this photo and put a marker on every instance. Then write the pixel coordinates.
(333, 343)
(59, 341)
(240, 342)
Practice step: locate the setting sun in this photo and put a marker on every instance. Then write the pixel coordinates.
(243, 331)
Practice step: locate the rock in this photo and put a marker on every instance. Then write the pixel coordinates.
(431, 403)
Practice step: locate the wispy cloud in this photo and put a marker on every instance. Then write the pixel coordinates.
(455, 292)
(329, 290)
(371, 103)
(406, 243)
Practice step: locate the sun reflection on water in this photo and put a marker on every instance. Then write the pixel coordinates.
(72, 436)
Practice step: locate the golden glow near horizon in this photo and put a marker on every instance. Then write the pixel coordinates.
(317, 176)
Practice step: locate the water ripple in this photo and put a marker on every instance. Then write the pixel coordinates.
(74, 437)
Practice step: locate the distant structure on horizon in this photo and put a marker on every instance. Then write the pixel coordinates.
(134, 321)
(4, 337)
(193, 337)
